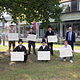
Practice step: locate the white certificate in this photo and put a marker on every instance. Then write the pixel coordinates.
(43, 55)
(66, 53)
(31, 37)
(52, 39)
(17, 56)
(13, 37)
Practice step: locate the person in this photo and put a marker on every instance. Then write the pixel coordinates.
(31, 43)
(44, 47)
(48, 33)
(67, 46)
(70, 37)
(11, 30)
(21, 48)
(0, 39)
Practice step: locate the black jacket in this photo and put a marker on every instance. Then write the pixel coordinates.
(45, 49)
(18, 49)
(72, 38)
(48, 34)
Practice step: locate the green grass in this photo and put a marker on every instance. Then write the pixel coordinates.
(55, 69)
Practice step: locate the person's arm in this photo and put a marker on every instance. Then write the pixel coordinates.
(25, 51)
(67, 36)
(45, 35)
(15, 49)
(48, 49)
(74, 37)
(39, 49)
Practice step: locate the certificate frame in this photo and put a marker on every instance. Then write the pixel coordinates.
(52, 39)
(43, 55)
(13, 37)
(17, 56)
(31, 37)
(66, 53)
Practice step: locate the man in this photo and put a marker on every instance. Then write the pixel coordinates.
(70, 37)
(11, 30)
(44, 47)
(31, 43)
(48, 33)
(66, 46)
(21, 48)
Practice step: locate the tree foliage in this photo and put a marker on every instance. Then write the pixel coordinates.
(30, 10)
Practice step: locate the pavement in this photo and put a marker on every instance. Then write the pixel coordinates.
(37, 46)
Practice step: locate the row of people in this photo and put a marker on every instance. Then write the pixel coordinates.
(70, 38)
(43, 47)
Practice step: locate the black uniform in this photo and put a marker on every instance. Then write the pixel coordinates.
(31, 43)
(45, 49)
(49, 44)
(22, 49)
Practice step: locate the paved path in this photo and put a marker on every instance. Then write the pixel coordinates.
(37, 46)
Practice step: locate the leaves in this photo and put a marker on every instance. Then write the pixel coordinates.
(30, 10)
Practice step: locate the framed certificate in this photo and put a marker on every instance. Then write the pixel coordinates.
(66, 53)
(43, 55)
(13, 37)
(17, 56)
(52, 39)
(31, 37)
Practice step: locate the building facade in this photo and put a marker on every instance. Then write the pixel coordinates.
(70, 17)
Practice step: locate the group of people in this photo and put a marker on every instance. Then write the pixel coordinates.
(68, 43)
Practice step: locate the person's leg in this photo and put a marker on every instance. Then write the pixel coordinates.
(13, 45)
(29, 46)
(52, 49)
(71, 59)
(25, 57)
(34, 48)
(64, 58)
(9, 47)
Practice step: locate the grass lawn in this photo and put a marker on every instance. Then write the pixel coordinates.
(55, 69)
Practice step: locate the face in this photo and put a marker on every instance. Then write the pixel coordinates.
(65, 43)
(49, 29)
(20, 43)
(31, 30)
(70, 29)
(12, 27)
(43, 43)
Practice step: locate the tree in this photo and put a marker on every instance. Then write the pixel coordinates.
(30, 10)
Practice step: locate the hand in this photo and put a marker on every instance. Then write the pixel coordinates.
(72, 51)
(26, 35)
(24, 53)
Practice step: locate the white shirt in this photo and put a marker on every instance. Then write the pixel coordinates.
(68, 47)
(20, 47)
(49, 31)
(43, 47)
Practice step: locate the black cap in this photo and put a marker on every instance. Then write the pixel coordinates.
(49, 26)
(20, 40)
(43, 40)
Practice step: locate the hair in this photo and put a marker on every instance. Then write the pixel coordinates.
(11, 25)
(65, 40)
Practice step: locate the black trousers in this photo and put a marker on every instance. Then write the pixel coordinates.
(33, 45)
(25, 57)
(50, 45)
(71, 44)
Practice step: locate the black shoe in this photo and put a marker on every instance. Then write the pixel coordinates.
(46, 61)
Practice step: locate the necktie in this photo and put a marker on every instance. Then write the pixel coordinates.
(69, 36)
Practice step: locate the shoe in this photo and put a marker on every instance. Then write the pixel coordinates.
(64, 59)
(71, 61)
